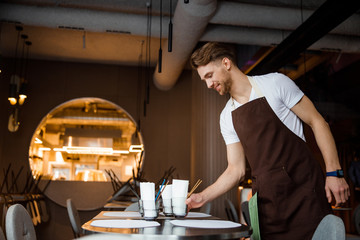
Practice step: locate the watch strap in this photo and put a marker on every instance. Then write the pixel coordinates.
(337, 173)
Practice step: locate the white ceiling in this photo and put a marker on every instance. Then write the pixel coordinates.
(247, 22)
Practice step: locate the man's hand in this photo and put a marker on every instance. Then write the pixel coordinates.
(339, 188)
(194, 201)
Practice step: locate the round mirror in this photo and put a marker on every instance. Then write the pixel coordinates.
(83, 139)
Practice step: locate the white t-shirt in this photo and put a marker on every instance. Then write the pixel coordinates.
(280, 92)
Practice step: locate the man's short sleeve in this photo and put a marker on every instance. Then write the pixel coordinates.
(226, 126)
(289, 92)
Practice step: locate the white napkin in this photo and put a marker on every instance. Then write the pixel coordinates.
(147, 191)
(124, 223)
(205, 223)
(179, 188)
(166, 194)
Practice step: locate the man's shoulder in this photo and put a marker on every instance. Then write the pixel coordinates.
(269, 77)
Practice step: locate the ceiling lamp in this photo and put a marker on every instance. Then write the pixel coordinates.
(18, 82)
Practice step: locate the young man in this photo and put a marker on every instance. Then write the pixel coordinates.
(262, 122)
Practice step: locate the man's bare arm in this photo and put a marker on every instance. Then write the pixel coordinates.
(234, 172)
(306, 111)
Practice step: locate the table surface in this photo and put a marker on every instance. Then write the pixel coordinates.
(166, 230)
(117, 205)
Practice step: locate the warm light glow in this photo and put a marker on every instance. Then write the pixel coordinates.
(59, 149)
(38, 141)
(70, 141)
(22, 98)
(121, 151)
(86, 176)
(89, 150)
(12, 100)
(59, 157)
(44, 149)
(136, 148)
(128, 170)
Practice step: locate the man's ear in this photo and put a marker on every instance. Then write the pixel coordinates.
(227, 63)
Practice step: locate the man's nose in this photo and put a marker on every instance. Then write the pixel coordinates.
(209, 83)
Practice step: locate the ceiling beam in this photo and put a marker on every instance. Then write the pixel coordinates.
(325, 18)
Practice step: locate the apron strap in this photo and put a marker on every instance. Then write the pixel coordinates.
(256, 87)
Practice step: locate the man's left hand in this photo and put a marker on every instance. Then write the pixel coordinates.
(339, 188)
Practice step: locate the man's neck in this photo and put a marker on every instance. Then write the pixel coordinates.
(241, 87)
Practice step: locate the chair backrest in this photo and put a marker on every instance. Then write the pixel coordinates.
(2, 236)
(356, 218)
(74, 218)
(231, 211)
(245, 195)
(206, 208)
(331, 227)
(245, 212)
(19, 225)
(134, 207)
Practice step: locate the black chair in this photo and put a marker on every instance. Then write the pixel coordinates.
(74, 218)
(245, 212)
(231, 211)
(206, 208)
(2, 236)
(356, 220)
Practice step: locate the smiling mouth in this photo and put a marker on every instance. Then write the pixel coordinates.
(218, 88)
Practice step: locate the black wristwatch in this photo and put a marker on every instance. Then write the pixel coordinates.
(338, 173)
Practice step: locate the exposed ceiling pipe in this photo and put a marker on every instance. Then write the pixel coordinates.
(190, 26)
(227, 13)
(89, 20)
(189, 23)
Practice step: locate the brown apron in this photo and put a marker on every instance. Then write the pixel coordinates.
(289, 181)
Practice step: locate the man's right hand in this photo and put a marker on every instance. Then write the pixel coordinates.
(194, 201)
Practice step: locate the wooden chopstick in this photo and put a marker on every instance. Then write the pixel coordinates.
(194, 187)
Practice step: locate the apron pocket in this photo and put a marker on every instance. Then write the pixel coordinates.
(280, 199)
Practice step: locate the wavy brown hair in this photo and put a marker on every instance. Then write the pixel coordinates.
(212, 51)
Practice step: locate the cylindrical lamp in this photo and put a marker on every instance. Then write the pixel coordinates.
(12, 94)
(22, 93)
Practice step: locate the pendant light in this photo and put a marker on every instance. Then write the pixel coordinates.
(160, 50)
(170, 32)
(22, 87)
(15, 80)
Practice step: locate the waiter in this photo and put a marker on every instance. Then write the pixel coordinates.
(262, 122)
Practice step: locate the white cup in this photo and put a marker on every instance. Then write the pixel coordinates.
(178, 206)
(166, 200)
(151, 209)
(147, 193)
(178, 197)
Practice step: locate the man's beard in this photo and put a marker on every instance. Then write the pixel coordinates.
(226, 86)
